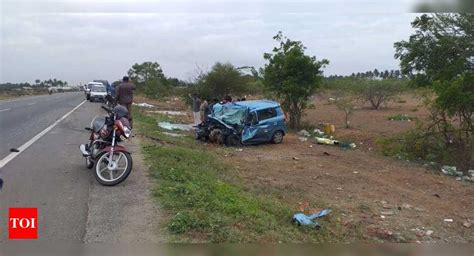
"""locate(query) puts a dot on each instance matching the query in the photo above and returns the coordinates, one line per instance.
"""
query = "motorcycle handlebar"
(106, 109)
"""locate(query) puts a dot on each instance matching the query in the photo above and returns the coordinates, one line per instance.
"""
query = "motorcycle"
(111, 161)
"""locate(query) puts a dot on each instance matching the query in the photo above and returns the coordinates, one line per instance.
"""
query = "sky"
(81, 40)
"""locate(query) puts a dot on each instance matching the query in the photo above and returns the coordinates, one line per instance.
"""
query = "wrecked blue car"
(244, 122)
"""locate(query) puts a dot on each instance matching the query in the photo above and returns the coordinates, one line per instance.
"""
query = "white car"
(97, 92)
(87, 88)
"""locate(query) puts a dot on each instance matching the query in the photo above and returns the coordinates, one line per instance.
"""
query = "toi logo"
(23, 223)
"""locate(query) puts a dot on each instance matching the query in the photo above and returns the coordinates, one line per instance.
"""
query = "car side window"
(265, 114)
(252, 118)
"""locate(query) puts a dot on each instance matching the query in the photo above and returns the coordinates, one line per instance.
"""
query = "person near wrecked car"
(124, 96)
(196, 108)
(204, 110)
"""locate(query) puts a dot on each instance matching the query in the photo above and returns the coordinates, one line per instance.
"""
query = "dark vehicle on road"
(112, 162)
(245, 122)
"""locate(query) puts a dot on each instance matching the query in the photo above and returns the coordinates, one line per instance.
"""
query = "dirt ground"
(366, 124)
(377, 197)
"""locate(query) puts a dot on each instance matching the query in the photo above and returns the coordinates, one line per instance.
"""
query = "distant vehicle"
(245, 122)
(87, 88)
(104, 82)
(97, 92)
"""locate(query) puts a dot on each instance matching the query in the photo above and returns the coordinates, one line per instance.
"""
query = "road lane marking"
(7, 109)
(32, 103)
(23, 147)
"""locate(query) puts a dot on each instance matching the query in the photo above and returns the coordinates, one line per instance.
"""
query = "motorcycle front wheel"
(115, 172)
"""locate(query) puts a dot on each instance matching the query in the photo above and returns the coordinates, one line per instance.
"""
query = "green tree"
(293, 76)
(379, 93)
(440, 54)
(376, 73)
(223, 79)
(145, 72)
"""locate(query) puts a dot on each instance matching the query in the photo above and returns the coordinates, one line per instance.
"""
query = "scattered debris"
(429, 232)
(329, 129)
(326, 153)
(296, 158)
(304, 133)
(173, 134)
(302, 139)
(339, 188)
(169, 112)
(170, 126)
(318, 132)
(388, 213)
(14, 150)
(310, 146)
(239, 149)
(437, 195)
(326, 141)
(380, 232)
(448, 220)
(406, 206)
(304, 220)
(355, 172)
(144, 105)
(467, 224)
(450, 171)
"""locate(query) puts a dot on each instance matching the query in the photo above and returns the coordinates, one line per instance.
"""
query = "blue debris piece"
(304, 220)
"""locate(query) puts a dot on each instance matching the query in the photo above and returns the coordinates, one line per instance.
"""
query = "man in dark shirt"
(124, 96)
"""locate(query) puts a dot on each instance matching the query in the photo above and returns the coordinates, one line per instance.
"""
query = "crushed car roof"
(257, 104)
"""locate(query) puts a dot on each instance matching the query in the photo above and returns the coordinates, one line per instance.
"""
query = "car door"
(267, 123)
(261, 126)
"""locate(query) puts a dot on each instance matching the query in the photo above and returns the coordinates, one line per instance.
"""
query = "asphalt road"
(50, 175)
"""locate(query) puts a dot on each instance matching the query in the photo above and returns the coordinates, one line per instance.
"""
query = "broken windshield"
(231, 114)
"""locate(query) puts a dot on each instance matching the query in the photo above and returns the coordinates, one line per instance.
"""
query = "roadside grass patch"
(205, 201)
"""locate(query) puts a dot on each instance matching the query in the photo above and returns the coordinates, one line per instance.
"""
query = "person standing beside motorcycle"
(124, 96)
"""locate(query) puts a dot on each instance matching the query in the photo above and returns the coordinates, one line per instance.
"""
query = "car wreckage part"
(216, 136)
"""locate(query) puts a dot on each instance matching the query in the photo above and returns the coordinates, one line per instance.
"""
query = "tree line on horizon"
(373, 74)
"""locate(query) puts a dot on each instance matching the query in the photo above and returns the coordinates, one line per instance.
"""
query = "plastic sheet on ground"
(173, 134)
(169, 112)
(171, 127)
(305, 220)
(143, 105)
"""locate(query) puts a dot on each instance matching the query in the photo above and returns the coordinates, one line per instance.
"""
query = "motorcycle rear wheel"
(108, 177)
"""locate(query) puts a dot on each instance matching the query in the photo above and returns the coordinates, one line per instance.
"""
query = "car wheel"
(277, 137)
(88, 97)
(233, 141)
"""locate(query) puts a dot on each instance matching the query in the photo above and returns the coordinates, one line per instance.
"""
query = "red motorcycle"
(111, 161)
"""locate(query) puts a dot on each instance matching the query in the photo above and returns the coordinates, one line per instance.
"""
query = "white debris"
(143, 105)
(173, 134)
(448, 220)
(169, 112)
(304, 133)
(170, 126)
